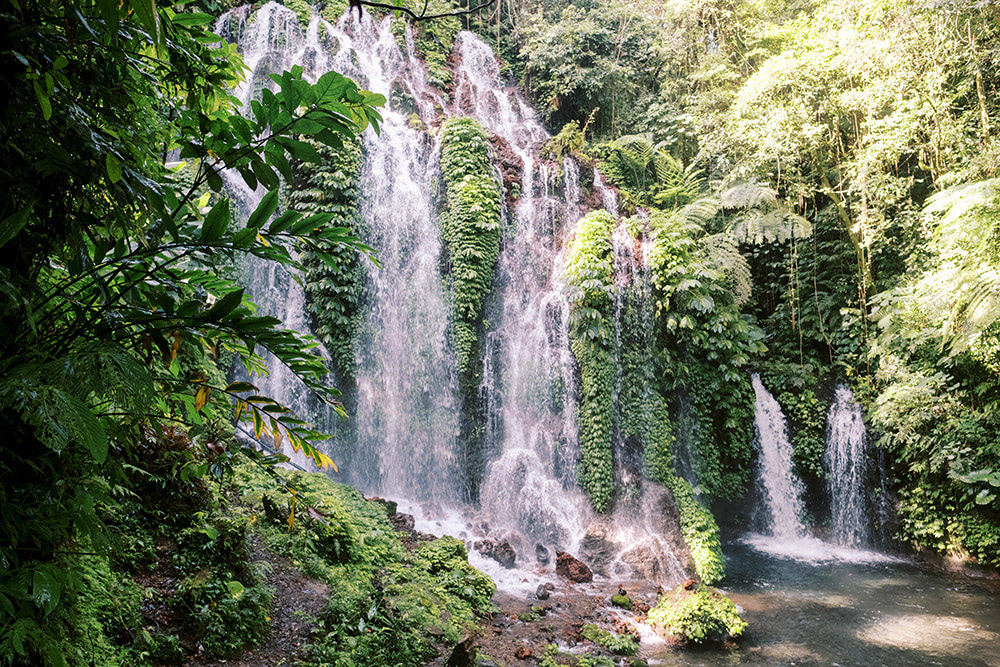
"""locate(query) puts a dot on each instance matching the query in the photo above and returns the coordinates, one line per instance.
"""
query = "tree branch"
(423, 15)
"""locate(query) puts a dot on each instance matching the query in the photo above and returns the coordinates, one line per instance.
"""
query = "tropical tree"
(115, 298)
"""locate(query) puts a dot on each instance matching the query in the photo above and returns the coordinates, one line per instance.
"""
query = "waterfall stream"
(782, 489)
(845, 459)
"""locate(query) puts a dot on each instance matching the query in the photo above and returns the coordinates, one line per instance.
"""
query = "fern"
(724, 254)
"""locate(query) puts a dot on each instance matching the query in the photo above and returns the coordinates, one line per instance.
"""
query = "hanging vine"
(334, 283)
(588, 275)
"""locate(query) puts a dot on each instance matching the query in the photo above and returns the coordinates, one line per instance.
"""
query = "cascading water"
(530, 381)
(406, 421)
(846, 461)
(405, 433)
(782, 489)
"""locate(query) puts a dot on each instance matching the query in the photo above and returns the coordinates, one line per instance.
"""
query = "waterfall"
(782, 489)
(529, 378)
(846, 461)
(404, 439)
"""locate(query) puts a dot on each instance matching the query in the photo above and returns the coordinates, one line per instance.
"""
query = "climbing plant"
(705, 346)
(588, 276)
(470, 227)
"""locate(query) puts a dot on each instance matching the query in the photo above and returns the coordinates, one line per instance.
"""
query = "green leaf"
(114, 167)
(192, 19)
(236, 589)
(264, 210)
(225, 305)
(43, 99)
(216, 222)
(149, 18)
(13, 224)
(283, 222)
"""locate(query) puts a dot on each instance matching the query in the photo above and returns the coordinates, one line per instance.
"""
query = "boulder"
(501, 552)
(504, 554)
(542, 554)
(463, 655)
(569, 567)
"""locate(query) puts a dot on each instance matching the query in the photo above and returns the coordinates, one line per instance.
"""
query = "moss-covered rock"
(335, 275)
(621, 600)
(696, 615)
(623, 644)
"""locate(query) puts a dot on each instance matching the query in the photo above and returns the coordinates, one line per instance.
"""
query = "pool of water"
(811, 604)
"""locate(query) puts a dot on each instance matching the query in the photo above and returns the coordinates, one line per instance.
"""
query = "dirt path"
(298, 601)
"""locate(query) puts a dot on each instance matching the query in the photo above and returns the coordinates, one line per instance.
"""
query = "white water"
(845, 460)
(782, 489)
(529, 383)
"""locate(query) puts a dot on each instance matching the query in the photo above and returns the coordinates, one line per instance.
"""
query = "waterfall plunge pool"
(823, 605)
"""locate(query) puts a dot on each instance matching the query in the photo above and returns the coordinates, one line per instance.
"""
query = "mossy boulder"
(696, 614)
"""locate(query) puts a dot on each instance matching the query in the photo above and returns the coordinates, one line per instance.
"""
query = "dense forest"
(806, 191)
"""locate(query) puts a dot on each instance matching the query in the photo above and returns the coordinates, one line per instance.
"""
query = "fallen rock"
(569, 567)
(402, 521)
(504, 554)
(522, 653)
(501, 552)
(463, 655)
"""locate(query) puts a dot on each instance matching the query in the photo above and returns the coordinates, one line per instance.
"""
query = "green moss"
(624, 644)
(470, 228)
(435, 40)
(697, 616)
(386, 606)
(588, 275)
(623, 601)
(334, 285)
(700, 531)
(705, 345)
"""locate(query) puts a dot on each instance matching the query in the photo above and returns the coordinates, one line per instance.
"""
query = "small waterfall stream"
(782, 489)
(846, 459)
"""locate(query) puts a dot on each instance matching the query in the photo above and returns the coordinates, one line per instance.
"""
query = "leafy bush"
(696, 616)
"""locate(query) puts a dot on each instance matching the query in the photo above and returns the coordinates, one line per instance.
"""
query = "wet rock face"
(643, 561)
(598, 547)
(569, 567)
